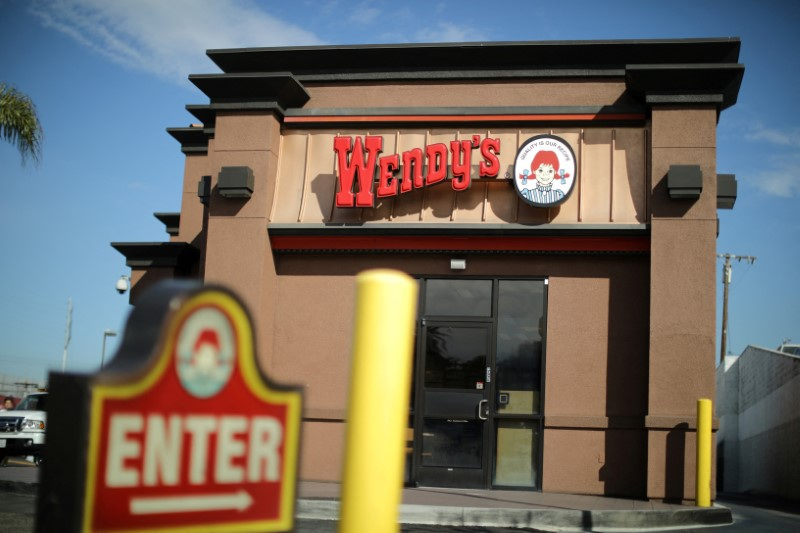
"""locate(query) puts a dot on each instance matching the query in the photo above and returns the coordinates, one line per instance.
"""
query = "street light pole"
(726, 280)
(67, 335)
(106, 333)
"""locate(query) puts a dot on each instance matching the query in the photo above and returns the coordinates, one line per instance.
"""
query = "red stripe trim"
(585, 117)
(466, 243)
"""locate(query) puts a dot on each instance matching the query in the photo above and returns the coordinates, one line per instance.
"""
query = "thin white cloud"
(167, 38)
(446, 32)
(778, 170)
(780, 177)
(775, 136)
(363, 14)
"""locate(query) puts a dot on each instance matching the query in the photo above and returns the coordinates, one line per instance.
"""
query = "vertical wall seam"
(305, 180)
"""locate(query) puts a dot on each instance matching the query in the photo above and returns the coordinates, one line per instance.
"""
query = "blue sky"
(109, 77)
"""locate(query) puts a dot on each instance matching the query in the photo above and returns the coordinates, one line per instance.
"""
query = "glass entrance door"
(454, 397)
(478, 405)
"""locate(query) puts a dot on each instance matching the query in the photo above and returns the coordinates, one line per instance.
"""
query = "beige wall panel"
(436, 203)
(479, 93)
(684, 128)
(320, 184)
(630, 176)
(291, 171)
(596, 180)
(242, 132)
(470, 203)
(502, 202)
(322, 451)
(406, 207)
(312, 337)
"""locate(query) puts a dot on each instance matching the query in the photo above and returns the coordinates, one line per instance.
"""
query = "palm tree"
(19, 124)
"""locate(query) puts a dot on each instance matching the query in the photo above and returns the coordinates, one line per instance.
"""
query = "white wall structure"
(758, 404)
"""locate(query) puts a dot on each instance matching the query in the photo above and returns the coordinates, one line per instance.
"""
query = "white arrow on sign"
(239, 501)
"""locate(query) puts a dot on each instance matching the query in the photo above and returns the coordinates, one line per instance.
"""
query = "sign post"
(180, 432)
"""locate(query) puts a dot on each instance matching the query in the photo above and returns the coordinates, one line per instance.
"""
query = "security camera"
(122, 284)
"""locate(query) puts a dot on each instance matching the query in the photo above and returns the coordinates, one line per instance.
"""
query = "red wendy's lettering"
(413, 169)
(356, 165)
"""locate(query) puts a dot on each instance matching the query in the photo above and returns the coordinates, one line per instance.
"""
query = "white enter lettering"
(151, 450)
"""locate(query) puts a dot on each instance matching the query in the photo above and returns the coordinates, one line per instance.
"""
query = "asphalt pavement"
(426, 510)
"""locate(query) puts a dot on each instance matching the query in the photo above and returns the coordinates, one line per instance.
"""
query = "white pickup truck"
(22, 429)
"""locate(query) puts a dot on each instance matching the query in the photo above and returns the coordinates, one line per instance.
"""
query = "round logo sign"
(544, 170)
(205, 352)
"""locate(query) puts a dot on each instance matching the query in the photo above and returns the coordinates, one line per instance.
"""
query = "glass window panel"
(458, 297)
(516, 453)
(520, 324)
(455, 356)
(452, 443)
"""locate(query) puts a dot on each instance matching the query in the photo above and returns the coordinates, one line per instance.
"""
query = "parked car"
(793, 349)
(22, 429)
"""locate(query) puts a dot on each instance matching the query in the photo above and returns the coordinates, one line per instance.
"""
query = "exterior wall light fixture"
(458, 264)
(685, 181)
(726, 191)
(235, 182)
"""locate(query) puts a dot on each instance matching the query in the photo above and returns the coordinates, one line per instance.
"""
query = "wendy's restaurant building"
(556, 202)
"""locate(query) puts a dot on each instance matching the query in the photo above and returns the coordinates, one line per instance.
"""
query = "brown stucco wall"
(682, 299)
(481, 93)
(596, 361)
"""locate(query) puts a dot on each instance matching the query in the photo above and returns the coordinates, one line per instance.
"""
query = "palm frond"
(19, 124)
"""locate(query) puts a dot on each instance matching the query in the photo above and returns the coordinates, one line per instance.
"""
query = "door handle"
(481, 404)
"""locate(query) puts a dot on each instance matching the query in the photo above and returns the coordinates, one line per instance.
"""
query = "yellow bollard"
(703, 470)
(377, 413)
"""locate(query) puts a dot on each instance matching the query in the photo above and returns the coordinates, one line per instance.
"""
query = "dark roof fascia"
(171, 221)
(686, 83)
(193, 140)
(488, 110)
(450, 74)
(624, 115)
(475, 56)
(252, 90)
(482, 230)
(205, 114)
(179, 255)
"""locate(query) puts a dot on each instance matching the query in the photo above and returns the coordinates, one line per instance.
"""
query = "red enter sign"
(199, 441)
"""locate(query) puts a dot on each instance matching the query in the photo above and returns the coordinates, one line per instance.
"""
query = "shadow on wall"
(675, 464)
(627, 374)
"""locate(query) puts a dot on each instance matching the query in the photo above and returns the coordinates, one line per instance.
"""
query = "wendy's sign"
(544, 170)
(358, 160)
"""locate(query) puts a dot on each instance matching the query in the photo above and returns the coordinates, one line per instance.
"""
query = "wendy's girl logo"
(544, 170)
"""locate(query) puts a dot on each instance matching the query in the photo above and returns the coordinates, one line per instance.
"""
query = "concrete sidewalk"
(504, 508)
(481, 508)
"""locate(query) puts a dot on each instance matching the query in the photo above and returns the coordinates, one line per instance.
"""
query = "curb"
(543, 519)
(19, 486)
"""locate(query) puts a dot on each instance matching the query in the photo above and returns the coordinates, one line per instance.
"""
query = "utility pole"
(67, 335)
(726, 280)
